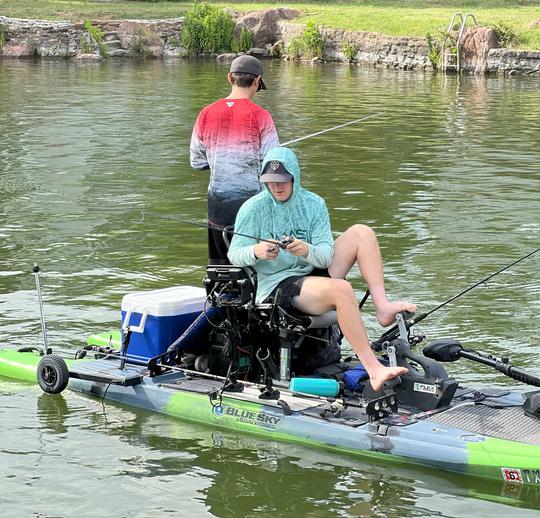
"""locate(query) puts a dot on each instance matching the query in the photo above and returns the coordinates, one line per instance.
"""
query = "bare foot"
(386, 314)
(383, 374)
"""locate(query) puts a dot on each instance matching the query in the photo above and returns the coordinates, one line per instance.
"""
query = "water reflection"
(241, 475)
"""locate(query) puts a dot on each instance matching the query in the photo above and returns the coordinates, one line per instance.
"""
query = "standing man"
(231, 137)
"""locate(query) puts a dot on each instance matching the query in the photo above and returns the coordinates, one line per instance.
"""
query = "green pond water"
(92, 155)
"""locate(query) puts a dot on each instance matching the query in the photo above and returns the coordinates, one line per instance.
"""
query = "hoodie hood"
(288, 158)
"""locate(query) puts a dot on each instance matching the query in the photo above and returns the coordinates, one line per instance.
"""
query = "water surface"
(92, 155)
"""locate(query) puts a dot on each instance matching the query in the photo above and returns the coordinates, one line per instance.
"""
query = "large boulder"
(18, 51)
(264, 24)
(474, 48)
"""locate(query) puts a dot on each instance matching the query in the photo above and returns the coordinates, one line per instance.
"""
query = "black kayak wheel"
(52, 374)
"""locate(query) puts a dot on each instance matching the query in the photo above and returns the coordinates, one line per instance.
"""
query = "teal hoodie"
(303, 216)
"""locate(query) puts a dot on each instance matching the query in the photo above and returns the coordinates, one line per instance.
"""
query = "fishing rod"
(293, 141)
(282, 243)
(393, 332)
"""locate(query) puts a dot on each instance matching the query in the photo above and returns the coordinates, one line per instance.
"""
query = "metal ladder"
(451, 54)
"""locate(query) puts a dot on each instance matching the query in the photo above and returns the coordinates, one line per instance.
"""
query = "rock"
(126, 33)
(258, 52)
(113, 45)
(87, 58)
(155, 51)
(475, 46)
(226, 58)
(264, 24)
(277, 49)
(18, 51)
(120, 53)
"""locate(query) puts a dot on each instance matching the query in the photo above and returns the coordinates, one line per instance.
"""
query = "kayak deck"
(503, 423)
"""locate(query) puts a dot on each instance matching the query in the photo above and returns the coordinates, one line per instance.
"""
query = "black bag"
(320, 348)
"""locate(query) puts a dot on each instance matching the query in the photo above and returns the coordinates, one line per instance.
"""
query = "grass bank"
(391, 17)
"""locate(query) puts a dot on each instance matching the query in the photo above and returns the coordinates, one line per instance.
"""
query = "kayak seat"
(302, 342)
(307, 321)
(313, 321)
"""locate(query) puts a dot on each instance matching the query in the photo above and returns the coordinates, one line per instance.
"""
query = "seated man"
(285, 208)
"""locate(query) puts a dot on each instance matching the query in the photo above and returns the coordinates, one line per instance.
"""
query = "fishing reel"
(285, 241)
(416, 337)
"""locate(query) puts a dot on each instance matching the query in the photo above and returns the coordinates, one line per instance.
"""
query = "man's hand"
(265, 250)
(298, 247)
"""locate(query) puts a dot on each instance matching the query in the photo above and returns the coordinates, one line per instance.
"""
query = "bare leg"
(359, 245)
(320, 294)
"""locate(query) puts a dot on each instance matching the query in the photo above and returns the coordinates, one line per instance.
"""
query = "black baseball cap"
(275, 171)
(248, 65)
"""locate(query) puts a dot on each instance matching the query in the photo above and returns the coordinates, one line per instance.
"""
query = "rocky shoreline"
(160, 39)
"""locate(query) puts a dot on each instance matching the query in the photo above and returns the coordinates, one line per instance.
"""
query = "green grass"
(391, 17)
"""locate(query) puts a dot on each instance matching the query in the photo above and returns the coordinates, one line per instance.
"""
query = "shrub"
(86, 47)
(313, 41)
(295, 48)
(143, 38)
(207, 29)
(434, 50)
(96, 35)
(32, 45)
(2, 37)
(278, 49)
(435, 46)
(309, 44)
(349, 49)
(245, 41)
(506, 36)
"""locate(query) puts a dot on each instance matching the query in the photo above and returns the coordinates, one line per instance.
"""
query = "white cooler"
(157, 318)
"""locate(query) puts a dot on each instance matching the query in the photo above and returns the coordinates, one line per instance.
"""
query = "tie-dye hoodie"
(304, 216)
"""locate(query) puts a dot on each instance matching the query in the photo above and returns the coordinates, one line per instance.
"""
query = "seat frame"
(231, 286)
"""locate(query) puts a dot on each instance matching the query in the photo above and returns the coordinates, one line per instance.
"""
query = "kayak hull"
(423, 439)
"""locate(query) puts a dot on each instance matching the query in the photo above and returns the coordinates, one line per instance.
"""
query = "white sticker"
(424, 387)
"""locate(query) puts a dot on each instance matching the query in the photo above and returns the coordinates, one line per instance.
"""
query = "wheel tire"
(52, 374)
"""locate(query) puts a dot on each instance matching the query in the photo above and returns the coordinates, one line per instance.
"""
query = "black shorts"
(291, 288)
(217, 248)
(221, 213)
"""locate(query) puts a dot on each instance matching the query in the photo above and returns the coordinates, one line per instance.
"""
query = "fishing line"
(483, 281)
(393, 332)
(102, 242)
(293, 141)
(212, 226)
